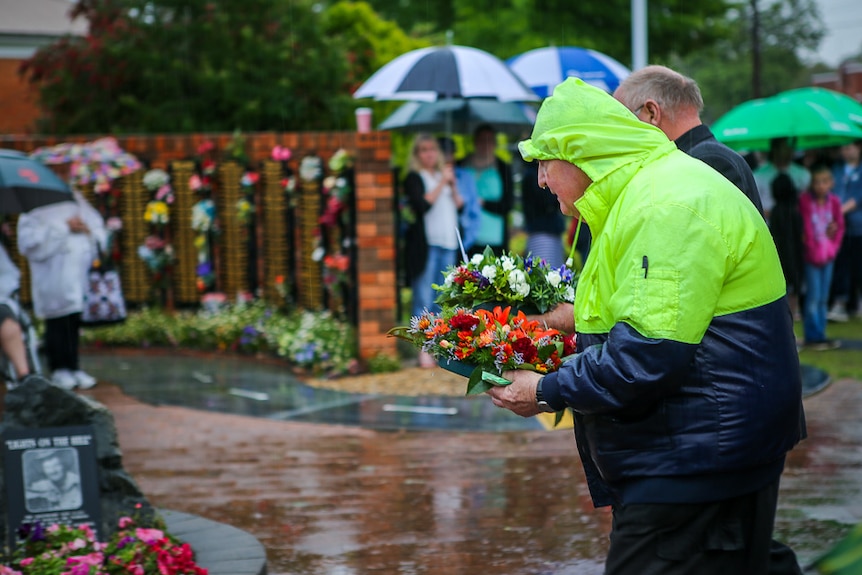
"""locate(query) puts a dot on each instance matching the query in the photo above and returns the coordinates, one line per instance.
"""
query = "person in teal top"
(685, 387)
(492, 178)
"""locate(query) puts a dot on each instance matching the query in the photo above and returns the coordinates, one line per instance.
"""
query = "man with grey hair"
(672, 102)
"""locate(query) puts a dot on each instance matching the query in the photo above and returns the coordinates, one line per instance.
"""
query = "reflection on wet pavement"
(350, 500)
(237, 385)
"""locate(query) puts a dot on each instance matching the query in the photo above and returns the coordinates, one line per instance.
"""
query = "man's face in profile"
(53, 469)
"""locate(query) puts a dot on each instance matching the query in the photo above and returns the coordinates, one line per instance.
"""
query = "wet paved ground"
(339, 499)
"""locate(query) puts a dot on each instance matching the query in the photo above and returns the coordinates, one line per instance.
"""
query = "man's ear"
(652, 112)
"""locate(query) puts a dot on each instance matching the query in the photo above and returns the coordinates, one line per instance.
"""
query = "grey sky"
(843, 20)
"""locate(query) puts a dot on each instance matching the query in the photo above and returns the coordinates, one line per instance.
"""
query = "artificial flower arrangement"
(485, 343)
(156, 251)
(282, 154)
(527, 283)
(245, 208)
(61, 549)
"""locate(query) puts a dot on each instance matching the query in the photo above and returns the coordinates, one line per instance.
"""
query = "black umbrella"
(439, 72)
(26, 183)
(462, 115)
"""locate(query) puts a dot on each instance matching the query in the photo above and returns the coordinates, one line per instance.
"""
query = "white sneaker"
(84, 379)
(64, 378)
(838, 313)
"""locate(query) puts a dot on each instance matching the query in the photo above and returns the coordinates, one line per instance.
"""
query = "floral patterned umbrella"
(98, 162)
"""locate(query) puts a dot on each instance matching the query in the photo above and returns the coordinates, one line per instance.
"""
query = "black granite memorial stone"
(33, 412)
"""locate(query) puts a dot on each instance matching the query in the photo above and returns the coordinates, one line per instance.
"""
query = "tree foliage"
(192, 65)
(508, 27)
(365, 40)
(788, 28)
(224, 65)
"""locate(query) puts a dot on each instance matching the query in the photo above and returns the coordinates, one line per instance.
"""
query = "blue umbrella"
(543, 68)
(26, 183)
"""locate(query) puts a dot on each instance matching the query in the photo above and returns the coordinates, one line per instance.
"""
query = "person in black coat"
(495, 188)
(672, 102)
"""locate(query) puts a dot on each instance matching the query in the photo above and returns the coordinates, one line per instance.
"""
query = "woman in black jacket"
(432, 237)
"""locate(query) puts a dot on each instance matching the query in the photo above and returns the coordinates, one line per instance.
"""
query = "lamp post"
(639, 34)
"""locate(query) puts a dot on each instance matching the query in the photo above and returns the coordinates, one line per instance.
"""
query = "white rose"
(554, 278)
(569, 296)
(516, 277)
(450, 277)
(489, 272)
(522, 289)
(476, 259)
(507, 263)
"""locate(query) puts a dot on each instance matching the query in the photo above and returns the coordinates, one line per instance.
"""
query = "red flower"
(526, 348)
(463, 321)
(155, 243)
(569, 342)
(206, 146)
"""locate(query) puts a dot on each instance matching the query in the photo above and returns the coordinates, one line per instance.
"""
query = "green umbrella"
(751, 125)
(841, 105)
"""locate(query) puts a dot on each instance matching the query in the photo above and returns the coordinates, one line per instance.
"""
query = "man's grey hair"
(669, 88)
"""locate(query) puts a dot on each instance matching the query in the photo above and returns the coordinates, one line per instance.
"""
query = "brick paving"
(346, 500)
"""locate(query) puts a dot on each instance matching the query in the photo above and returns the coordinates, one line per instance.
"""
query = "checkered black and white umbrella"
(442, 72)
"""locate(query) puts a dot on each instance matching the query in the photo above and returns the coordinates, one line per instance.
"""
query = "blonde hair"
(415, 164)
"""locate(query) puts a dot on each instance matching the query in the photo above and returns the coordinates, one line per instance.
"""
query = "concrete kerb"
(220, 548)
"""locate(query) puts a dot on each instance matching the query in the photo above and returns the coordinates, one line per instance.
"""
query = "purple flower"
(480, 279)
(32, 531)
(204, 269)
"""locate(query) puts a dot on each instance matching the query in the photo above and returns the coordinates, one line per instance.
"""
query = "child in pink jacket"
(823, 228)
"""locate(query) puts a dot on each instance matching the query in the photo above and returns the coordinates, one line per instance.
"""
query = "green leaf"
(845, 558)
(481, 381)
(558, 417)
(476, 385)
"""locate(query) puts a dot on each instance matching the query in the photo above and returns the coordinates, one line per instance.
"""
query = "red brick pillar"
(375, 243)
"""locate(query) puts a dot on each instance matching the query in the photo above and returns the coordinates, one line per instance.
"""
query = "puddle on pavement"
(421, 502)
(243, 387)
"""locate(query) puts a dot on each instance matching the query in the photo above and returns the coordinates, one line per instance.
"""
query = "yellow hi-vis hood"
(587, 127)
(675, 244)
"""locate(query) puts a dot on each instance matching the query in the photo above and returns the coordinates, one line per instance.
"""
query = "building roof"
(39, 18)
(26, 25)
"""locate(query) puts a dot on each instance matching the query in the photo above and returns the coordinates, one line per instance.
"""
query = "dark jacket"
(700, 143)
(686, 387)
(415, 242)
(541, 209)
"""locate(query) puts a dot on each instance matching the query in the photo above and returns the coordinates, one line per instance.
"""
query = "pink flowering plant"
(73, 550)
(527, 283)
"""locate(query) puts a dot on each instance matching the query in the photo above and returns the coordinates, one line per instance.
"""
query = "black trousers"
(725, 537)
(61, 341)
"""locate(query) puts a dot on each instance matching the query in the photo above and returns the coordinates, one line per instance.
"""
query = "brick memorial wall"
(279, 250)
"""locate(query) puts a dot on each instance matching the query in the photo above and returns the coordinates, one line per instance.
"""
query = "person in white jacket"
(58, 241)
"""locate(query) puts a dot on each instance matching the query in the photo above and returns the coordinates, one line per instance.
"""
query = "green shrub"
(314, 341)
